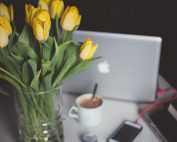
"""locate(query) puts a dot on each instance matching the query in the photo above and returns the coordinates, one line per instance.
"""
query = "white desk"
(114, 111)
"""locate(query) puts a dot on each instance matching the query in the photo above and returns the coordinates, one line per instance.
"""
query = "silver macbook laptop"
(128, 69)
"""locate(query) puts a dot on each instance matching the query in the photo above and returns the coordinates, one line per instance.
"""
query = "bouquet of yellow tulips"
(37, 60)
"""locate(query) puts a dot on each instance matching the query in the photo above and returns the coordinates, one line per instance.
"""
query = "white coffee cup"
(89, 112)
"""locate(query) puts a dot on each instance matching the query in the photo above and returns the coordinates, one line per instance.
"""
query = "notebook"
(128, 69)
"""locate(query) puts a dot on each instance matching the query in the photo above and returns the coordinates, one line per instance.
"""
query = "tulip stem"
(64, 36)
(40, 49)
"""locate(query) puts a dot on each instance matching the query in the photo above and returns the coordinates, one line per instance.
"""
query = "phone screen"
(126, 133)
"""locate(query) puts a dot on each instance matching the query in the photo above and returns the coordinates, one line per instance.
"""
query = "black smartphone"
(126, 132)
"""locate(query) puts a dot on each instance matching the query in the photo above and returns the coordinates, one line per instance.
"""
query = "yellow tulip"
(48, 2)
(41, 25)
(30, 11)
(7, 11)
(43, 4)
(56, 8)
(87, 49)
(5, 31)
(3, 38)
(4, 23)
(70, 18)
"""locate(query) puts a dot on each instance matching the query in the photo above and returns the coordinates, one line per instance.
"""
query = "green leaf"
(10, 64)
(17, 57)
(45, 67)
(81, 66)
(58, 30)
(46, 82)
(35, 82)
(32, 54)
(57, 58)
(71, 59)
(27, 37)
(25, 105)
(33, 65)
(67, 36)
(11, 41)
(46, 50)
(20, 49)
(50, 41)
(11, 79)
(26, 73)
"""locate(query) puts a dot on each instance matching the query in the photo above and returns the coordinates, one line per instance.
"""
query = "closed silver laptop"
(128, 69)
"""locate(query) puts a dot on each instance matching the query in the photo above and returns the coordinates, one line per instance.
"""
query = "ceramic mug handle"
(73, 112)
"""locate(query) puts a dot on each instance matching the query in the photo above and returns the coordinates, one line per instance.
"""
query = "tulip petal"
(92, 51)
(70, 18)
(38, 31)
(85, 51)
(6, 25)
(87, 42)
(4, 11)
(43, 4)
(60, 8)
(56, 8)
(41, 25)
(69, 23)
(3, 38)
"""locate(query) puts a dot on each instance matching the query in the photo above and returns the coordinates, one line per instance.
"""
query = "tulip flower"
(56, 8)
(48, 2)
(5, 31)
(30, 11)
(87, 49)
(4, 23)
(70, 18)
(3, 38)
(41, 25)
(43, 4)
(7, 11)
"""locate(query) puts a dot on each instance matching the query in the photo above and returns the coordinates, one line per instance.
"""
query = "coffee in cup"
(88, 102)
(88, 110)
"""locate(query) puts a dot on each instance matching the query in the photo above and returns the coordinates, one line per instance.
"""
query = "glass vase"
(40, 115)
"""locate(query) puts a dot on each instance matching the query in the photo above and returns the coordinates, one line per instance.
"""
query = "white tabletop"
(115, 112)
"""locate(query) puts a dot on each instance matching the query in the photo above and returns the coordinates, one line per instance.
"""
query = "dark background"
(145, 17)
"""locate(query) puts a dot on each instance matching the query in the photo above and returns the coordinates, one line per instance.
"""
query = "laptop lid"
(128, 69)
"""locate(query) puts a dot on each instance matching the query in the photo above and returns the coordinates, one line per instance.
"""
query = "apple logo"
(103, 67)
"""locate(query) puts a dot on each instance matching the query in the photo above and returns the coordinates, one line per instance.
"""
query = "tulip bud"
(43, 4)
(3, 38)
(41, 25)
(87, 49)
(70, 18)
(30, 11)
(4, 23)
(5, 31)
(56, 8)
(7, 11)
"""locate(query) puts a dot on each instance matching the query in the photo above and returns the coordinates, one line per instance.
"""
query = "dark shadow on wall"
(146, 17)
